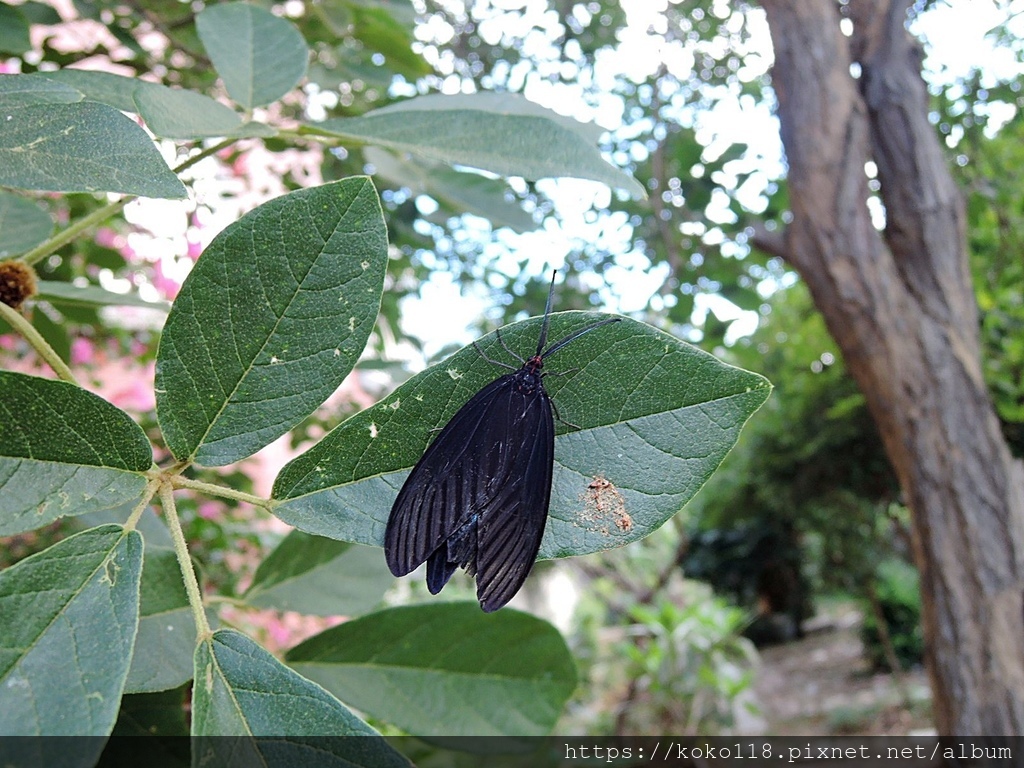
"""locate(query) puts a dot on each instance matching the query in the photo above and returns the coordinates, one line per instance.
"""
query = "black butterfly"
(478, 497)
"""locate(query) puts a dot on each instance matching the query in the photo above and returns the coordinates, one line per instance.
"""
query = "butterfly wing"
(511, 532)
(439, 494)
(478, 497)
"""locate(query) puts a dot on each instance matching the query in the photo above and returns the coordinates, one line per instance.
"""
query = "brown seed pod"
(17, 282)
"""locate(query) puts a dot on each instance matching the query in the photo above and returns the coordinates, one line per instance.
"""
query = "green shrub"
(900, 598)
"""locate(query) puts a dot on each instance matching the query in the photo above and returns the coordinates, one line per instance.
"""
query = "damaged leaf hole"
(603, 503)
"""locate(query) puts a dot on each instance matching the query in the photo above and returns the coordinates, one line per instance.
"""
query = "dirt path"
(821, 685)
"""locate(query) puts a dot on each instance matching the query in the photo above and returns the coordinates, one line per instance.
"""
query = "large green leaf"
(177, 113)
(68, 617)
(64, 451)
(259, 56)
(80, 147)
(501, 133)
(311, 574)
(271, 319)
(446, 669)
(656, 417)
(166, 640)
(23, 224)
(40, 13)
(181, 114)
(173, 113)
(243, 691)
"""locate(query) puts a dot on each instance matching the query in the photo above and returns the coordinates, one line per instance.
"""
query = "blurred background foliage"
(806, 505)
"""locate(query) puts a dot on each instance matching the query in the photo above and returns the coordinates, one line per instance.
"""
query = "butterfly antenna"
(547, 315)
(575, 335)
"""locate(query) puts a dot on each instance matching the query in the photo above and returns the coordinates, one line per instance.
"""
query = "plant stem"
(73, 230)
(17, 321)
(188, 573)
(147, 496)
(211, 150)
(219, 490)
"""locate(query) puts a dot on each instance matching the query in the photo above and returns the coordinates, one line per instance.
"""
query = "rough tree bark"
(899, 303)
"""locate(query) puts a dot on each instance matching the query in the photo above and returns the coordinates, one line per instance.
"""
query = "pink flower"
(240, 167)
(209, 510)
(167, 285)
(83, 351)
(107, 237)
(135, 393)
(280, 633)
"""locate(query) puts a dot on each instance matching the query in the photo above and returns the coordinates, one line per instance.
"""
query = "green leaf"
(259, 56)
(166, 639)
(181, 114)
(271, 319)
(40, 13)
(88, 9)
(58, 292)
(446, 669)
(467, 192)
(30, 90)
(241, 690)
(379, 29)
(115, 90)
(656, 418)
(500, 133)
(23, 224)
(80, 147)
(68, 617)
(311, 574)
(14, 37)
(64, 451)
(348, 68)
(496, 104)
(54, 333)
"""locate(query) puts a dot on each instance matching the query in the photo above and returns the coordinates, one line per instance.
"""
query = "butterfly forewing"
(437, 495)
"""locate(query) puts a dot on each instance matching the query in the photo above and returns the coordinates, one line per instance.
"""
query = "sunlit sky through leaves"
(958, 35)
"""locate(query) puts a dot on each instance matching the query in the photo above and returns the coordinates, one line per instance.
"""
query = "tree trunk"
(900, 304)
